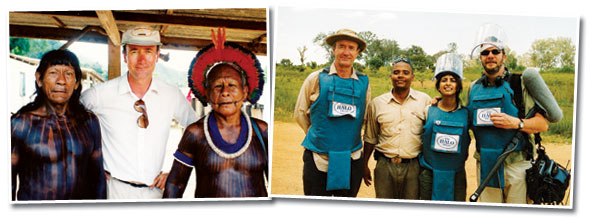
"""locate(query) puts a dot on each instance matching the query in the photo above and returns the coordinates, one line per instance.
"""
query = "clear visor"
(449, 62)
(489, 35)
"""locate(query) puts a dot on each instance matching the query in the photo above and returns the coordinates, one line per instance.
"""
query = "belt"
(396, 159)
(133, 184)
(139, 185)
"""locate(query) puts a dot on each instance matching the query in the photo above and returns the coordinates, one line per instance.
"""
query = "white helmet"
(489, 35)
(449, 62)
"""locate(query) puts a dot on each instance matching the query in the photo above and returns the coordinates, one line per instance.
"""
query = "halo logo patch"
(483, 115)
(341, 109)
(446, 142)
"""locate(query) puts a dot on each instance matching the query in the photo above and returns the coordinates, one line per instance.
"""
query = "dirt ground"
(287, 163)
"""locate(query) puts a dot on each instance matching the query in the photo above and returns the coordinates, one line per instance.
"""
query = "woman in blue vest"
(446, 137)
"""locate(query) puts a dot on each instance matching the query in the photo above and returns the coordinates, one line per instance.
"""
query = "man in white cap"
(331, 110)
(498, 103)
(135, 111)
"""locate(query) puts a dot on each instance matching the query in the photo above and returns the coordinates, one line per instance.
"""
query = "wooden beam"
(152, 19)
(114, 60)
(168, 42)
(165, 27)
(58, 22)
(80, 35)
(108, 23)
(21, 31)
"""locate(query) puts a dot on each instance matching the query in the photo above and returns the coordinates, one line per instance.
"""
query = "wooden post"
(114, 60)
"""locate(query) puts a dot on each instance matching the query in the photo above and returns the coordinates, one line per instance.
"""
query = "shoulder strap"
(255, 126)
(515, 82)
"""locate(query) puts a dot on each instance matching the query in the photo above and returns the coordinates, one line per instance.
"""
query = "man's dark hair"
(457, 79)
(59, 57)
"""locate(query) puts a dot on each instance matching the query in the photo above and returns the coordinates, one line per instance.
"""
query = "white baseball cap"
(141, 35)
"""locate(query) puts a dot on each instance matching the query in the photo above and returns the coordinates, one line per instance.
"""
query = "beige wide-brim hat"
(141, 35)
(346, 34)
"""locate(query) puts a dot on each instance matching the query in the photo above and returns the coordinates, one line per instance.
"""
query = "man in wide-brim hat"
(330, 109)
(227, 148)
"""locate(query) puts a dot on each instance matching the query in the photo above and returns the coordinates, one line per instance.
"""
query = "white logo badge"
(341, 109)
(446, 142)
(483, 115)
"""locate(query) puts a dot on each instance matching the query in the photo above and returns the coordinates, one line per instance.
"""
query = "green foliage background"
(290, 79)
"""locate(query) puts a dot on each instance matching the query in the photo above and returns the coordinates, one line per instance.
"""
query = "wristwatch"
(521, 124)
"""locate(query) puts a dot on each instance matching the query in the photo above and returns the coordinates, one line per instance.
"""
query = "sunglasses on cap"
(405, 60)
(486, 53)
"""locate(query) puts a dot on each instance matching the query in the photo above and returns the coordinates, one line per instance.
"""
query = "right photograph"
(424, 107)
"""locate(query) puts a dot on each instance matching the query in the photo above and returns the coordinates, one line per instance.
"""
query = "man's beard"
(492, 71)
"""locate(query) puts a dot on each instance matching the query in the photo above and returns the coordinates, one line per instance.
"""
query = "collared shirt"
(132, 153)
(309, 93)
(396, 128)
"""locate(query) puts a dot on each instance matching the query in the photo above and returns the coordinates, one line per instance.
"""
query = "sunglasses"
(486, 53)
(405, 60)
(142, 121)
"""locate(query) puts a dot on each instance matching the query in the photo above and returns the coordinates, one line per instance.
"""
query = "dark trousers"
(314, 181)
(426, 182)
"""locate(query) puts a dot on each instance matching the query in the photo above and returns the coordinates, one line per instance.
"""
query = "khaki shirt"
(396, 128)
(309, 93)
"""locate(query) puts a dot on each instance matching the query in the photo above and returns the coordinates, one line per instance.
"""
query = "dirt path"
(287, 162)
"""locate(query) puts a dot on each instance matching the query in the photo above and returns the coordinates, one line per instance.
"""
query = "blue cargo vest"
(336, 122)
(490, 140)
(445, 148)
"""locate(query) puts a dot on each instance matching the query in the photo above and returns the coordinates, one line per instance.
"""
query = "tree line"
(549, 55)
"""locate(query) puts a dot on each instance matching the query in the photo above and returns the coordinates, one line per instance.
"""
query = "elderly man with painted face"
(331, 110)
(227, 148)
(135, 112)
(497, 116)
(394, 129)
(56, 142)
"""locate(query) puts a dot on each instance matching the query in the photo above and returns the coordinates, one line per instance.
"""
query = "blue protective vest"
(490, 140)
(445, 148)
(334, 131)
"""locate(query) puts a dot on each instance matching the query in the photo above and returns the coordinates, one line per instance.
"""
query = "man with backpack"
(498, 104)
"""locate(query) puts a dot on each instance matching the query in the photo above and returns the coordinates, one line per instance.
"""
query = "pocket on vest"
(446, 136)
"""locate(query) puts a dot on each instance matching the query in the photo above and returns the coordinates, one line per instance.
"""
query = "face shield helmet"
(489, 35)
(449, 62)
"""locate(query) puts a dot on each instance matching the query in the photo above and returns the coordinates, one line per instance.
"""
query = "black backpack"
(547, 181)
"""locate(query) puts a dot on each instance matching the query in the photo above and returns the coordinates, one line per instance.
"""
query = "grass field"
(288, 83)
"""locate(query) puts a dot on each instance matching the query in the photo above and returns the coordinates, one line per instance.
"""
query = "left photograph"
(139, 105)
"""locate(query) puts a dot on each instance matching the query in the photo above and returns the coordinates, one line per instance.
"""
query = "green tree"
(552, 53)
(420, 60)
(320, 40)
(312, 64)
(451, 48)
(374, 63)
(285, 62)
(31, 47)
